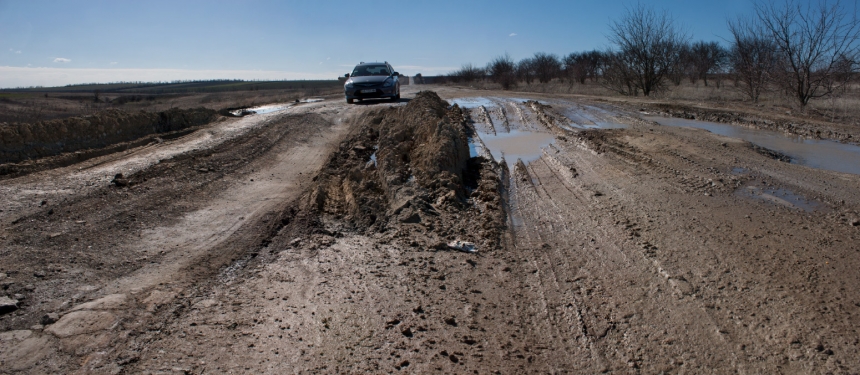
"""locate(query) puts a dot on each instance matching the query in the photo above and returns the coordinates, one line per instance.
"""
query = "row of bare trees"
(804, 50)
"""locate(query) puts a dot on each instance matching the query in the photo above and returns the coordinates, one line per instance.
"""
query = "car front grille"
(369, 84)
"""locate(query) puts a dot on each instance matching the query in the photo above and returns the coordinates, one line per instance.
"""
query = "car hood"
(368, 79)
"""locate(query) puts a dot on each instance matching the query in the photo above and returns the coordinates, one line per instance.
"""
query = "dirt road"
(320, 239)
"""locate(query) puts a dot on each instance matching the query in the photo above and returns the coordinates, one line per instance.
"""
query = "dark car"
(372, 80)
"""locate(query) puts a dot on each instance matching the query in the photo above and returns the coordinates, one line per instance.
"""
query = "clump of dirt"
(22, 141)
(407, 172)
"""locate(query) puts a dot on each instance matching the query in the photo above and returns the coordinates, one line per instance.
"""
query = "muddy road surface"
(452, 232)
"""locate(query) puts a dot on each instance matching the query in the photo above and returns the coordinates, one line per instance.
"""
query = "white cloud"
(328, 58)
(113, 63)
(62, 60)
(513, 34)
(14, 51)
(26, 76)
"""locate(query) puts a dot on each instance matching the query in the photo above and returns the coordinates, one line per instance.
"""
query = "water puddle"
(604, 125)
(269, 108)
(373, 156)
(821, 154)
(475, 148)
(781, 196)
(261, 109)
(472, 102)
(518, 144)
(475, 102)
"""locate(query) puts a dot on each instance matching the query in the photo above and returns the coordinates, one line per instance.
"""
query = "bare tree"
(502, 70)
(526, 70)
(579, 66)
(706, 58)
(752, 57)
(574, 69)
(547, 66)
(618, 74)
(681, 65)
(814, 42)
(648, 44)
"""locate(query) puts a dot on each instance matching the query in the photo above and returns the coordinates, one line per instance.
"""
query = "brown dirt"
(273, 243)
(24, 141)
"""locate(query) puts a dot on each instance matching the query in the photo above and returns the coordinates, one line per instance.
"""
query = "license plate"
(368, 91)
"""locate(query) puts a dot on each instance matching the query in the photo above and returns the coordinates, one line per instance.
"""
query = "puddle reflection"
(815, 153)
(518, 144)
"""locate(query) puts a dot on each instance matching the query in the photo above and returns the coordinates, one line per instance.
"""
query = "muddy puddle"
(600, 125)
(821, 154)
(261, 109)
(780, 196)
(517, 144)
(472, 102)
(269, 108)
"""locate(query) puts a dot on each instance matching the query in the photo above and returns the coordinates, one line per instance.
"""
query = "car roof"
(372, 63)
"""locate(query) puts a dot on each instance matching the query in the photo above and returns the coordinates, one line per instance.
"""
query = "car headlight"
(388, 83)
(349, 84)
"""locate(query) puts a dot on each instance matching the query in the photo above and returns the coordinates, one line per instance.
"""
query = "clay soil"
(322, 239)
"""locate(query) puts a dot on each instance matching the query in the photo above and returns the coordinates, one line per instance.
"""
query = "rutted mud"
(642, 249)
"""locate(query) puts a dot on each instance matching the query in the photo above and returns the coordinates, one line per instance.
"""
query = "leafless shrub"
(467, 73)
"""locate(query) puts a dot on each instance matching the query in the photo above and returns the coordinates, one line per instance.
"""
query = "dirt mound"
(408, 170)
(22, 141)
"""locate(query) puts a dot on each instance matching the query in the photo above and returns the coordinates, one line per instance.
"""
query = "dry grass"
(34, 107)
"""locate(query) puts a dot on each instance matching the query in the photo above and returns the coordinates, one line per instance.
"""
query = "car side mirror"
(396, 74)
(346, 75)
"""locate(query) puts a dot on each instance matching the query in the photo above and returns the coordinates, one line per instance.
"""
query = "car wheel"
(349, 100)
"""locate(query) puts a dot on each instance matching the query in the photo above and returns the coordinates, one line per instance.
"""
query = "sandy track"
(636, 250)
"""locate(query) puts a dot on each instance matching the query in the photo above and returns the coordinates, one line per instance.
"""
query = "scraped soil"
(329, 238)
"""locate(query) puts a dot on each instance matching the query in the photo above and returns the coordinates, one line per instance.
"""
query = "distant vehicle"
(372, 80)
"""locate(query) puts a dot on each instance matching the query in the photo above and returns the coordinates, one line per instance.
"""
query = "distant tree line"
(805, 50)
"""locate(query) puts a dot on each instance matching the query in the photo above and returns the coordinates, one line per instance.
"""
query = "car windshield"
(370, 70)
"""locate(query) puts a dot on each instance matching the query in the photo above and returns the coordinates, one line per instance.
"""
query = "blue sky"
(60, 42)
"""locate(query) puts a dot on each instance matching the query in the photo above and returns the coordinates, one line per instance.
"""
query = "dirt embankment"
(411, 165)
(23, 141)
(790, 125)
